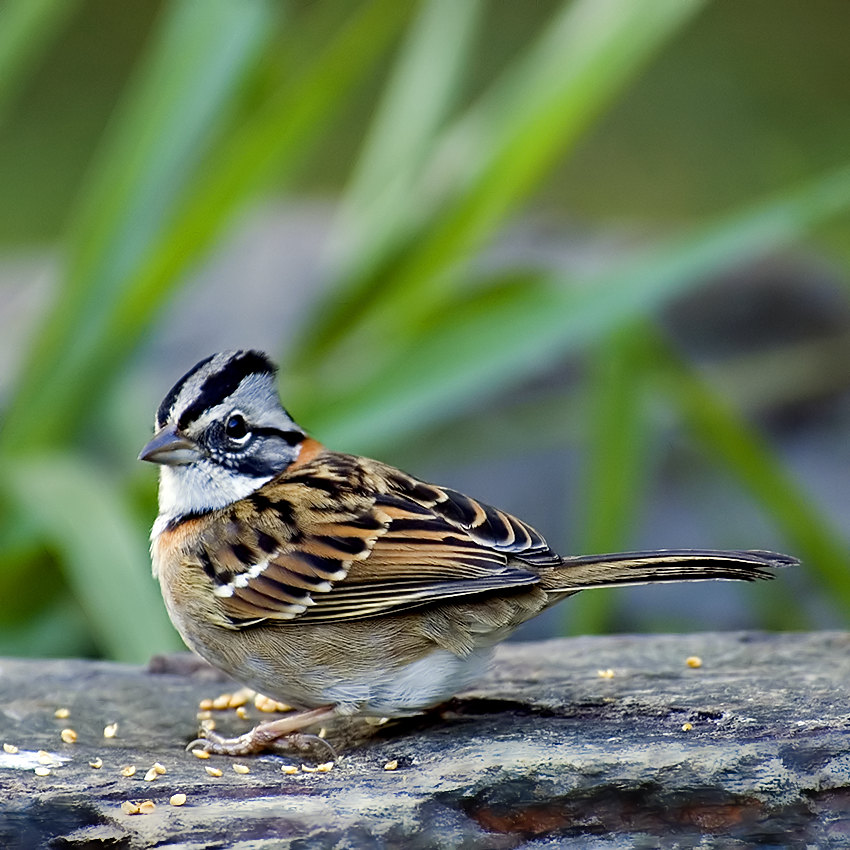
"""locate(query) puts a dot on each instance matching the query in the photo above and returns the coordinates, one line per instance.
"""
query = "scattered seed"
(205, 704)
(62, 713)
(97, 764)
(240, 698)
(130, 808)
(241, 768)
(267, 704)
(322, 733)
(42, 771)
(110, 730)
(199, 753)
(605, 674)
(289, 769)
(10, 748)
(159, 768)
(309, 769)
(686, 727)
(212, 771)
(391, 765)
(241, 712)
(129, 770)
(693, 661)
(69, 736)
(44, 757)
(177, 799)
(147, 807)
(208, 724)
(325, 767)
(222, 702)
(151, 775)
(204, 715)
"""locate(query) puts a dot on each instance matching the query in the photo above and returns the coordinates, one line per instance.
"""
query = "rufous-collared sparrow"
(339, 584)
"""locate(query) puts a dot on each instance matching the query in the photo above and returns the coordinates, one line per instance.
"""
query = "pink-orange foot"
(264, 735)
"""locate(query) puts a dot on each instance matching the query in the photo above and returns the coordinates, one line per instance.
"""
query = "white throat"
(199, 487)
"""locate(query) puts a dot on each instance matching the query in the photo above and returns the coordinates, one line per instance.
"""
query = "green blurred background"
(587, 261)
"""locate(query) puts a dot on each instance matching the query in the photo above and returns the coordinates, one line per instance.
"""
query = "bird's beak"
(171, 448)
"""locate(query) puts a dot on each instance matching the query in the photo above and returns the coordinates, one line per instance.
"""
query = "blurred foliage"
(474, 113)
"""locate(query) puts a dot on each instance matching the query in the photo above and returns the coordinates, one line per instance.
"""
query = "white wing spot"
(226, 590)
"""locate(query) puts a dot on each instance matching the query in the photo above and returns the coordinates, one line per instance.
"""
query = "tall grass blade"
(489, 341)
(27, 28)
(102, 550)
(731, 441)
(491, 158)
(415, 103)
(616, 461)
(174, 106)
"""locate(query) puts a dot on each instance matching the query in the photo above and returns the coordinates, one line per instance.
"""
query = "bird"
(339, 584)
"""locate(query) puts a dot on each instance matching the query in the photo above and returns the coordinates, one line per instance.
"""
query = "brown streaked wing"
(338, 542)
(485, 524)
(275, 551)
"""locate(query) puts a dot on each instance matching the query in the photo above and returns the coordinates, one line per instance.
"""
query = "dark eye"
(236, 428)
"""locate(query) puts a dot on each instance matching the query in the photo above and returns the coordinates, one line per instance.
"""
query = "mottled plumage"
(328, 580)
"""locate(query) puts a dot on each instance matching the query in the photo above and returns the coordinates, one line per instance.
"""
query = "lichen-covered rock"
(589, 742)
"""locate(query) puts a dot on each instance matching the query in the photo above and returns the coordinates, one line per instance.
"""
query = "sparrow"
(339, 584)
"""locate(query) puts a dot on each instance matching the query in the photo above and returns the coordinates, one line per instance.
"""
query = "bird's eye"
(236, 428)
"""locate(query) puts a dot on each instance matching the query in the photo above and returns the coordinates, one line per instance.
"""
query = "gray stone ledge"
(546, 753)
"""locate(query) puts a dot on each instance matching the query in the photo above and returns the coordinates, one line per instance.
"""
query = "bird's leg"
(264, 735)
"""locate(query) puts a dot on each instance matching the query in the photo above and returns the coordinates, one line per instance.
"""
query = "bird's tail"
(624, 568)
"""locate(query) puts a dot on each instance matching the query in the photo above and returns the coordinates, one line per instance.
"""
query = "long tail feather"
(663, 565)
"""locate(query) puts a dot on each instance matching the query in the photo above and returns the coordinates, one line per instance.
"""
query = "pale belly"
(361, 685)
(420, 685)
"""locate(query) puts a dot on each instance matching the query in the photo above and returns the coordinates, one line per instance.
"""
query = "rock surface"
(750, 749)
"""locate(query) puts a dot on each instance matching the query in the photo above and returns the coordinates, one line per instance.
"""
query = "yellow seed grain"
(263, 703)
(267, 704)
(289, 769)
(212, 771)
(205, 704)
(147, 807)
(208, 724)
(391, 765)
(69, 736)
(222, 702)
(177, 799)
(605, 674)
(240, 698)
(130, 808)
(159, 768)
(10, 748)
(61, 713)
(129, 770)
(97, 764)
(151, 775)
(42, 771)
(325, 767)
(44, 757)
(309, 769)
(204, 715)
(110, 731)
(241, 768)
(241, 712)
(200, 754)
(693, 661)
(686, 727)
(322, 733)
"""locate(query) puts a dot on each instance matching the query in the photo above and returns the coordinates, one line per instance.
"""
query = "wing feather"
(344, 538)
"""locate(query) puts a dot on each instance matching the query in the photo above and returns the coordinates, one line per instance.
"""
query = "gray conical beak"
(170, 447)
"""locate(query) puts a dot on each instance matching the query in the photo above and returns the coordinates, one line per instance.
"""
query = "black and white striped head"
(221, 433)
